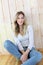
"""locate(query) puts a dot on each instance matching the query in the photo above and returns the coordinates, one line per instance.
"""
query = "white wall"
(33, 10)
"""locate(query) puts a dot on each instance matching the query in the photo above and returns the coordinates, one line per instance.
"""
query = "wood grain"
(11, 60)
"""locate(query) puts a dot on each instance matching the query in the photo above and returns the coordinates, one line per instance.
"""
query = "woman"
(23, 47)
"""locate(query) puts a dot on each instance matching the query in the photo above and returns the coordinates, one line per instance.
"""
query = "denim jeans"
(34, 55)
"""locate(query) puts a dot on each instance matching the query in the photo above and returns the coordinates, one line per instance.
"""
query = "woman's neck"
(20, 28)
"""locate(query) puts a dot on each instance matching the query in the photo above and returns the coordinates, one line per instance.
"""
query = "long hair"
(16, 26)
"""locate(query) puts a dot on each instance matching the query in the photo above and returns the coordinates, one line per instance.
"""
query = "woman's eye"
(18, 18)
(21, 18)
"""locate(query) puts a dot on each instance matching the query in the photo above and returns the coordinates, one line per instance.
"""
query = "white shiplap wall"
(33, 10)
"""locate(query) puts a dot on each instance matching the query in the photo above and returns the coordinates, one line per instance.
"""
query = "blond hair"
(16, 26)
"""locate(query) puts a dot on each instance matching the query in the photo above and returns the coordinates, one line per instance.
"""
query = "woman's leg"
(35, 57)
(12, 48)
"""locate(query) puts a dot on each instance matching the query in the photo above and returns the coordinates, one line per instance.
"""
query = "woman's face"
(20, 20)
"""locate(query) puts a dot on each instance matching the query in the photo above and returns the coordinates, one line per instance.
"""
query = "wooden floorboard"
(11, 60)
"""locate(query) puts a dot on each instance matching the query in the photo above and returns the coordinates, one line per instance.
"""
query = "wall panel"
(33, 10)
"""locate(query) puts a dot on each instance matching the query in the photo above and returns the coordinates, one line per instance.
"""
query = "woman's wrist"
(27, 51)
(22, 51)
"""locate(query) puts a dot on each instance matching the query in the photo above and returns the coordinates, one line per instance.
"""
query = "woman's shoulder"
(29, 27)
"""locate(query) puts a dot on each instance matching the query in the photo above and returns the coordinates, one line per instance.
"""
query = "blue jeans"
(34, 55)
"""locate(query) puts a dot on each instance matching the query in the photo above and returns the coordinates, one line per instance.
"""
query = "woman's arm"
(22, 51)
(31, 37)
(31, 44)
(18, 43)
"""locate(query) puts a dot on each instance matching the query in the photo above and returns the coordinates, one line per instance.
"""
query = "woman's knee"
(7, 43)
(38, 56)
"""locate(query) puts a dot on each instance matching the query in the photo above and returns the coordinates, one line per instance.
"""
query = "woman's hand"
(24, 57)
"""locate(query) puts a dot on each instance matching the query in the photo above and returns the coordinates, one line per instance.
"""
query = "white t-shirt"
(25, 41)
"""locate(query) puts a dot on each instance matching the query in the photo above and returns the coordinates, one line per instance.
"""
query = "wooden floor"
(11, 60)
